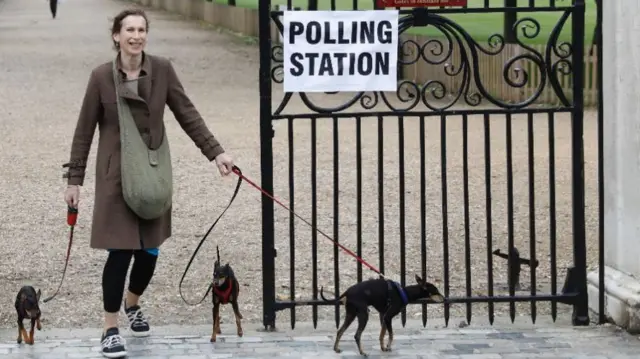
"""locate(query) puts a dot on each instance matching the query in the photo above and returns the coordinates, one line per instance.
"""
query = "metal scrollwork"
(458, 54)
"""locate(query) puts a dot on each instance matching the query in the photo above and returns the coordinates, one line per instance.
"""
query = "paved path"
(502, 341)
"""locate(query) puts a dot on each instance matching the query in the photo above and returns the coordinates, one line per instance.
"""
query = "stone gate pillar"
(621, 91)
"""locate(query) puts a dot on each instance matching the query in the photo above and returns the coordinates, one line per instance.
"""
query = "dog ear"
(218, 253)
(419, 280)
(38, 294)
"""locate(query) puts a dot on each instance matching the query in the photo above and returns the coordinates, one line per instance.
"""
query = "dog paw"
(364, 354)
(337, 350)
(240, 333)
(386, 349)
(213, 339)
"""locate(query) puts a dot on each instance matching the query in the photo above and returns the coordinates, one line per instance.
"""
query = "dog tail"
(218, 253)
(340, 299)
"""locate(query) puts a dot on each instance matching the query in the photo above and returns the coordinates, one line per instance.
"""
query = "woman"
(148, 83)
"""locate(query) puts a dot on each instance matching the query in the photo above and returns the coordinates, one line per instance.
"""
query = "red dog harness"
(223, 295)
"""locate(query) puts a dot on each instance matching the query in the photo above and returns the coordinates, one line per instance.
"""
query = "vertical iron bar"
(402, 209)
(581, 306)
(314, 219)
(266, 169)
(359, 194)
(552, 213)
(465, 185)
(336, 213)
(487, 177)
(512, 307)
(532, 214)
(381, 193)
(423, 211)
(601, 314)
(292, 235)
(445, 212)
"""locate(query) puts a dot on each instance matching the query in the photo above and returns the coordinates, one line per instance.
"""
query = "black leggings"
(115, 274)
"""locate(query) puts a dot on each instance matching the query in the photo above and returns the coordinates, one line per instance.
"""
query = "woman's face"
(133, 35)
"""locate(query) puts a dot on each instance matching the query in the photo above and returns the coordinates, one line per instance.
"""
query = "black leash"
(236, 170)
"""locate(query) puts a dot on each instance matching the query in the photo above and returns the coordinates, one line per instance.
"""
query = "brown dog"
(225, 288)
(27, 307)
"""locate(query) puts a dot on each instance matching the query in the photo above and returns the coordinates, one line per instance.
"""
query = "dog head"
(221, 272)
(429, 290)
(30, 301)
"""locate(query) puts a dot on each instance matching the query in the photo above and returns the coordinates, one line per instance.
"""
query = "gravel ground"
(45, 65)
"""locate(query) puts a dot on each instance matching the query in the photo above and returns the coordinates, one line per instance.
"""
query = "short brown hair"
(117, 21)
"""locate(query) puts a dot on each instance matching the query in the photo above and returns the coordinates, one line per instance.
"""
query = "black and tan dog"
(27, 307)
(225, 288)
(387, 297)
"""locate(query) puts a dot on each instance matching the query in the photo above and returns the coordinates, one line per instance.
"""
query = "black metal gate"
(462, 122)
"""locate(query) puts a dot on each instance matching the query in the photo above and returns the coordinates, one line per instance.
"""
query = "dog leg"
(38, 324)
(363, 318)
(387, 324)
(348, 319)
(20, 331)
(236, 311)
(383, 331)
(216, 321)
(31, 329)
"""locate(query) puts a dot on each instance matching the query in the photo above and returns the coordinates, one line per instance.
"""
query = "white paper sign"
(340, 50)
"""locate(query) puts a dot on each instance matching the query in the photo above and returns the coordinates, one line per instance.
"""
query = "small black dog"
(387, 297)
(225, 290)
(27, 307)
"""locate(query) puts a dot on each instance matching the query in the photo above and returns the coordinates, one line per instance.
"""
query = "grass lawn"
(480, 26)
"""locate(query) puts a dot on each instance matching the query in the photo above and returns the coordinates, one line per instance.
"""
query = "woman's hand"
(72, 195)
(224, 163)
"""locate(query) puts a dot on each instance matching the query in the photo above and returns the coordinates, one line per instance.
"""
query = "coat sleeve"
(189, 118)
(90, 112)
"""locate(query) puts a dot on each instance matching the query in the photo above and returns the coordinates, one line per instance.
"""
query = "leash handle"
(72, 217)
(233, 197)
(347, 250)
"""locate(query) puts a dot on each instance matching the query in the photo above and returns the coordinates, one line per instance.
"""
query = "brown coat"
(114, 225)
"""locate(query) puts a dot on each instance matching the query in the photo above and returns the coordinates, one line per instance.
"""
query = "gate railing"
(386, 173)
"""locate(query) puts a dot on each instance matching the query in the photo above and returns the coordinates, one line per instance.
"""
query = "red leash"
(237, 172)
(72, 217)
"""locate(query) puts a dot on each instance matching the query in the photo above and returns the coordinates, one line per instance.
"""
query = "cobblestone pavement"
(503, 340)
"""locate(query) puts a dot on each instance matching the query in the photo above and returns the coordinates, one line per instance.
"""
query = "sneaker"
(137, 322)
(113, 344)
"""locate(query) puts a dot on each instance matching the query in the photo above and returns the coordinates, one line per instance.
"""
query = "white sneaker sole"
(139, 334)
(115, 355)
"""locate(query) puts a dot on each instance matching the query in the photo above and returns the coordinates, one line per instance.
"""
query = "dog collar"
(402, 293)
(223, 295)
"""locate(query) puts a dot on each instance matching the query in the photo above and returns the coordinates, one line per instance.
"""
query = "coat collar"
(145, 80)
